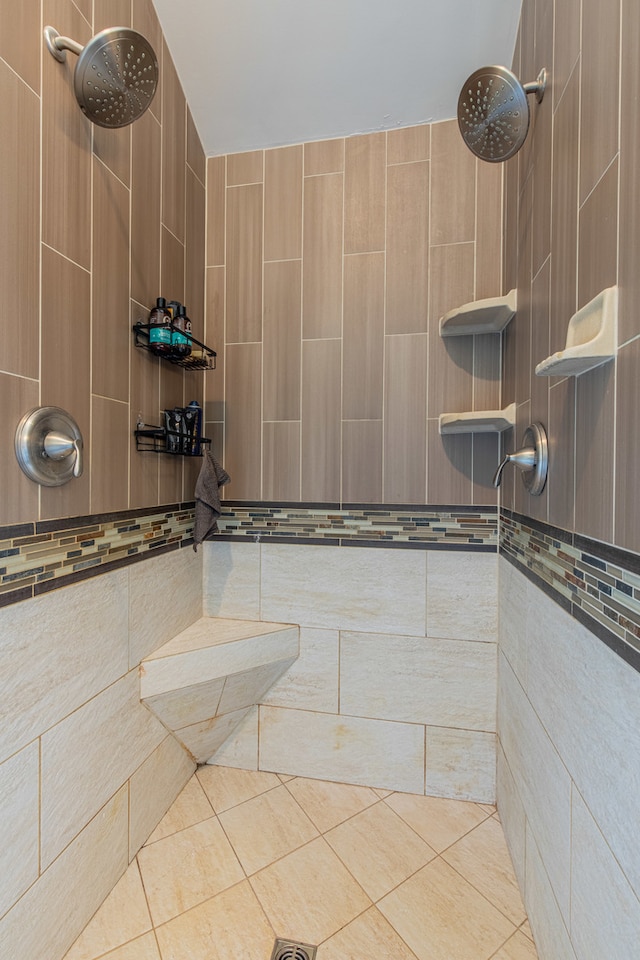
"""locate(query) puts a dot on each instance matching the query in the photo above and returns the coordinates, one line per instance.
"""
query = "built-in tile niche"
(329, 266)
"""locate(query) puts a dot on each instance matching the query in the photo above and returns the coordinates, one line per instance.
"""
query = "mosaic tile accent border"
(596, 583)
(409, 526)
(42, 556)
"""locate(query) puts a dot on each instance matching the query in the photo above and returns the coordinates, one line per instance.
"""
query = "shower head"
(493, 112)
(115, 77)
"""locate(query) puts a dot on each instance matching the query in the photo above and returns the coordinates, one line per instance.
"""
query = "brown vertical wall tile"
(453, 185)
(566, 46)
(107, 13)
(281, 460)
(363, 336)
(215, 432)
(321, 416)
(282, 340)
(66, 146)
(561, 436)
(520, 326)
(541, 157)
(629, 232)
(409, 144)
(362, 461)
(66, 370)
(110, 288)
(405, 419)
(195, 154)
(283, 203)
(243, 458)
(322, 263)
(451, 281)
(245, 168)
(144, 403)
(216, 210)
(564, 199)
(510, 226)
(489, 231)
(323, 156)
(145, 21)
(145, 210)
(172, 267)
(214, 338)
(84, 6)
(540, 323)
(364, 173)
(194, 253)
(487, 357)
(244, 264)
(173, 147)
(595, 412)
(449, 466)
(407, 237)
(598, 90)
(171, 386)
(109, 455)
(18, 494)
(450, 359)
(21, 40)
(113, 147)
(486, 457)
(20, 202)
(169, 479)
(627, 465)
(598, 238)
(66, 337)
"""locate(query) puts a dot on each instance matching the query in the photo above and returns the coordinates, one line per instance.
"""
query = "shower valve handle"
(532, 460)
(525, 459)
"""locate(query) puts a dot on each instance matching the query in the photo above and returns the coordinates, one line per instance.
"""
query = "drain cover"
(290, 950)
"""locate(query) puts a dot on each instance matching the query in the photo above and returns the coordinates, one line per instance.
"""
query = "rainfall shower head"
(115, 77)
(493, 112)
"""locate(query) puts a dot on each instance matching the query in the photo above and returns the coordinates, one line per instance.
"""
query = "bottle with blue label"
(180, 344)
(160, 329)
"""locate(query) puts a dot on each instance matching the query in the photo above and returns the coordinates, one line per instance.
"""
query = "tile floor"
(243, 857)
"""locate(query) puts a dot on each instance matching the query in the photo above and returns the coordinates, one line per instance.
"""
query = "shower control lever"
(532, 459)
(48, 446)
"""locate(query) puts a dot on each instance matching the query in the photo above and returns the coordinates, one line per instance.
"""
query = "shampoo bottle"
(160, 330)
(181, 345)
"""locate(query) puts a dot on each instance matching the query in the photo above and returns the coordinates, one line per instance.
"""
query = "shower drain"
(290, 950)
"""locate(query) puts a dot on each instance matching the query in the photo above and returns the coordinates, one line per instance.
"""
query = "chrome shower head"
(493, 112)
(116, 75)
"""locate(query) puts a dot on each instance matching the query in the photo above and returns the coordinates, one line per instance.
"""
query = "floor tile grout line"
(372, 904)
(490, 902)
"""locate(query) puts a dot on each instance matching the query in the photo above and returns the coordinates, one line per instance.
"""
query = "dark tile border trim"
(36, 558)
(600, 582)
(397, 526)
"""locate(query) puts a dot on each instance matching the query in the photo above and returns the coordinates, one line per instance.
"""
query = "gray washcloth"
(211, 477)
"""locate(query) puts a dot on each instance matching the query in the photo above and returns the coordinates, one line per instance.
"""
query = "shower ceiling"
(262, 73)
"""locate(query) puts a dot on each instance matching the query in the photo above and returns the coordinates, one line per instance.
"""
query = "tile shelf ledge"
(479, 316)
(478, 421)
(592, 338)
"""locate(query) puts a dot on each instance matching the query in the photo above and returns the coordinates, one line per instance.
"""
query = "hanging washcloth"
(212, 476)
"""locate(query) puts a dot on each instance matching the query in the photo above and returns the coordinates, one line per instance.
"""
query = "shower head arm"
(58, 45)
(537, 86)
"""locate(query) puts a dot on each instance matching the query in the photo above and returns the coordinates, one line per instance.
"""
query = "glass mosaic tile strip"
(596, 583)
(33, 562)
(39, 557)
(472, 528)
